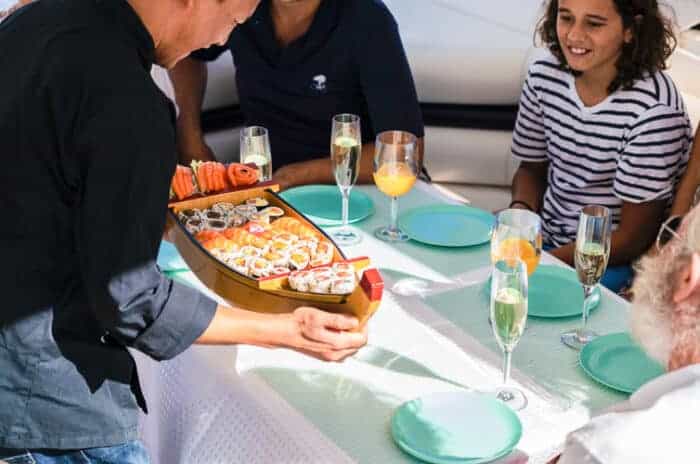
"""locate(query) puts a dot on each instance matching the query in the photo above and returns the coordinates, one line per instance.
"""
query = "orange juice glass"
(395, 171)
(517, 235)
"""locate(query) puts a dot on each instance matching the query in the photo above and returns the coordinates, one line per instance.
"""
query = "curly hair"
(652, 43)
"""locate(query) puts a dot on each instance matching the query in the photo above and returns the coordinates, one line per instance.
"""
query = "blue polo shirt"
(351, 60)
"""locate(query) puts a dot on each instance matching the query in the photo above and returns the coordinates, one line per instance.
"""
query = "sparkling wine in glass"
(255, 149)
(346, 150)
(509, 315)
(395, 171)
(591, 259)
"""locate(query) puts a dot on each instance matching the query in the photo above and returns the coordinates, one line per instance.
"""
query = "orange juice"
(513, 247)
(394, 179)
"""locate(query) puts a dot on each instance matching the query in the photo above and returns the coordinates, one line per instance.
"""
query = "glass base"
(345, 237)
(578, 338)
(388, 234)
(514, 398)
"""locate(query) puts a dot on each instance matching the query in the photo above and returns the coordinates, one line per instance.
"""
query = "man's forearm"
(189, 78)
(232, 326)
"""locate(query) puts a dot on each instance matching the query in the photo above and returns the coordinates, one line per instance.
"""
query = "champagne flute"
(591, 259)
(509, 314)
(255, 149)
(346, 149)
(517, 234)
(395, 171)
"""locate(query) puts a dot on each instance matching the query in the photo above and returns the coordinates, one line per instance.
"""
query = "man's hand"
(324, 335)
(287, 176)
(191, 146)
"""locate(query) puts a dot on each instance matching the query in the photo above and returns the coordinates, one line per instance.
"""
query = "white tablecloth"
(249, 405)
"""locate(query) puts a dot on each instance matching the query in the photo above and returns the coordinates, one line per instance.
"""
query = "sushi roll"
(250, 251)
(320, 260)
(216, 224)
(194, 225)
(278, 246)
(273, 211)
(223, 207)
(345, 275)
(322, 272)
(257, 202)
(277, 259)
(309, 245)
(214, 215)
(299, 280)
(340, 267)
(324, 250)
(259, 267)
(342, 286)
(236, 220)
(187, 214)
(320, 284)
(286, 237)
(259, 218)
(246, 210)
(239, 264)
(299, 260)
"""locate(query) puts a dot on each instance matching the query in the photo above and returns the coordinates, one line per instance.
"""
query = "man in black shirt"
(88, 143)
(298, 63)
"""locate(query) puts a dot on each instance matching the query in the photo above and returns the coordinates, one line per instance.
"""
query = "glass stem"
(394, 214)
(346, 206)
(506, 365)
(587, 290)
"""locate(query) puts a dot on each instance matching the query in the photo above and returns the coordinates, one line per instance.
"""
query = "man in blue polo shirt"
(298, 63)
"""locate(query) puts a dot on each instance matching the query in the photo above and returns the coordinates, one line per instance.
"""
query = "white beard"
(651, 310)
(652, 330)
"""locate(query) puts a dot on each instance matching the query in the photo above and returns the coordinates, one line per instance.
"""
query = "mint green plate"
(448, 225)
(616, 361)
(554, 291)
(322, 204)
(443, 427)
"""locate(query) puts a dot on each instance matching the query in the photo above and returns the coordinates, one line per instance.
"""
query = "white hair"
(654, 285)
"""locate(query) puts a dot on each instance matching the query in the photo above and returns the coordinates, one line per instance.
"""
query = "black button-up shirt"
(88, 150)
(351, 60)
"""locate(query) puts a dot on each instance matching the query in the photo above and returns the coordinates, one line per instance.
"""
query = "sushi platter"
(256, 251)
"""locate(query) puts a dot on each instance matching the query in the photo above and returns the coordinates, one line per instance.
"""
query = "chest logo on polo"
(318, 83)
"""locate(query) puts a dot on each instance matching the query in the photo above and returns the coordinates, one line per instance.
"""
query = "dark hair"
(652, 43)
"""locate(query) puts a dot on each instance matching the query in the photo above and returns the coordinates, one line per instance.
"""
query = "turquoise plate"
(443, 427)
(554, 291)
(448, 225)
(616, 361)
(169, 259)
(323, 204)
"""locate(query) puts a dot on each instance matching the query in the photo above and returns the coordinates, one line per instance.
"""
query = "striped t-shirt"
(633, 146)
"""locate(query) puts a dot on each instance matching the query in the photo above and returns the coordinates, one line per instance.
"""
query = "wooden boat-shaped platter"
(269, 294)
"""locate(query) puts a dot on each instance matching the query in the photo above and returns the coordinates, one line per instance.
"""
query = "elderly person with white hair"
(659, 423)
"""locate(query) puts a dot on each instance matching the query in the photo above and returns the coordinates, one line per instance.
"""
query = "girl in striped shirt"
(599, 122)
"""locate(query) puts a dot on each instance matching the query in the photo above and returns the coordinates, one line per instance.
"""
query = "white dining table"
(431, 334)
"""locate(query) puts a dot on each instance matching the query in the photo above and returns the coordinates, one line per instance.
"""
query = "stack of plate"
(444, 428)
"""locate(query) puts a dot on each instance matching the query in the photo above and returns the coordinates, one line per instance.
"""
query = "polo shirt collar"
(325, 21)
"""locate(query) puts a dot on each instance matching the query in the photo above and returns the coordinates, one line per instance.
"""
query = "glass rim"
(596, 211)
(390, 137)
(254, 131)
(532, 220)
(346, 118)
